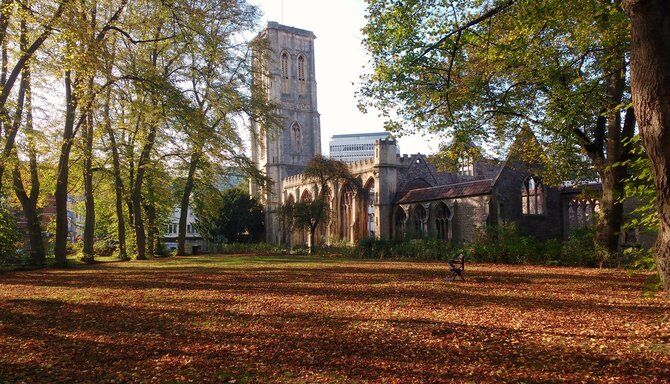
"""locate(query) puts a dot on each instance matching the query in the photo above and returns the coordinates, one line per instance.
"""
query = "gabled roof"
(471, 188)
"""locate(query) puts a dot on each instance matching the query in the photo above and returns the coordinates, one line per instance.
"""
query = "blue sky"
(340, 59)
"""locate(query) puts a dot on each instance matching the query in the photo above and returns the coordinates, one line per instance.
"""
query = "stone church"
(401, 196)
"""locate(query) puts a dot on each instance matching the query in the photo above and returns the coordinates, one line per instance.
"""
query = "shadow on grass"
(273, 318)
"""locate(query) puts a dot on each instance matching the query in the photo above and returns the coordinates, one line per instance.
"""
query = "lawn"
(242, 319)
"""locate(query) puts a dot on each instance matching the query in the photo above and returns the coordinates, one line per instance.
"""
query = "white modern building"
(195, 243)
(356, 146)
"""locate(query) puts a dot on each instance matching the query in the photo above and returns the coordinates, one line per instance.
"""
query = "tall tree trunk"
(29, 206)
(131, 182)
(142, 164)
(118, 181)
(650, 86)
(29, 200)
(610, 159)
(312, 239)
(88, 254)
(89, 200)
(150, 209)
(185, 200)
(60, 195)
(122, 252)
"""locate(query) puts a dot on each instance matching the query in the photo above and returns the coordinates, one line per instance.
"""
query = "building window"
(419, 220)
(284, 66)
(442, 221)
(466, 166)
(400, 219)
(296, 138)
(532, 196)
(301, 68)
(582, 213)
(189, 229)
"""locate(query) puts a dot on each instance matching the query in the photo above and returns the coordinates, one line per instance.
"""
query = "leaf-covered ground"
(234, 319)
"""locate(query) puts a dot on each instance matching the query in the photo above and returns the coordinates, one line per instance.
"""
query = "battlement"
(291, 30)
(292, 181)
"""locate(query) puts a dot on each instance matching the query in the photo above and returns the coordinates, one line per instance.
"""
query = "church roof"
(471, 188)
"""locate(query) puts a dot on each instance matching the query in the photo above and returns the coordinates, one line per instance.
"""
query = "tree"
(325, 173)
(480, 71)
(650, 84)
(240, 216)
(80, 70)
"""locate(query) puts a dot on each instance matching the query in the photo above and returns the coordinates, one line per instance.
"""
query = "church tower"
(287, 77)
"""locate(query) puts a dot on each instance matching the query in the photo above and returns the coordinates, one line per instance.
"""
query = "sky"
(340, 60)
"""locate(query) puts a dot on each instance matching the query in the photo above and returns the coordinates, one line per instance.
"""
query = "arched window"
(284, 65)
(419, 219)
(442, 221)
(296, 137)
(400, 219)
(466, 166)
(370, 207)
(301, 68)
(532, 196)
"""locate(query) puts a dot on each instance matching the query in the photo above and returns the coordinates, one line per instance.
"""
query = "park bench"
(457, 266)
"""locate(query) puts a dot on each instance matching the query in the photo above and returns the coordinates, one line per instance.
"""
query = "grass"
(246, 319)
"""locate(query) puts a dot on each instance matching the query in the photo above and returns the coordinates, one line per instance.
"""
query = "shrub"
(416, 249)
(504, 243)
(9, 235)
(579, 249)
(104, 248)
(249, 248)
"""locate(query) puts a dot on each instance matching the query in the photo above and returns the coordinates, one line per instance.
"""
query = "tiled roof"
(471, 188)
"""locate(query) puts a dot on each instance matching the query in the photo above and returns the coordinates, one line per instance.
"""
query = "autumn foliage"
(247, 319)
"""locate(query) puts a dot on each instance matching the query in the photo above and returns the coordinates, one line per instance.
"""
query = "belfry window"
(284, 65)
(296, 137)
(532, 196)
(466, 166)
(301, 68)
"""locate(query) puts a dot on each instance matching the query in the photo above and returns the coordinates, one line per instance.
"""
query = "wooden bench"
(457, 266)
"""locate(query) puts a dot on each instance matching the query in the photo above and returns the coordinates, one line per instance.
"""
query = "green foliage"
(239, 217)
(249, 249)
(415, 249)
(478, 71)
(640, 186)
(9, 234)
(505, 244)
(104, 248)
(579, 249)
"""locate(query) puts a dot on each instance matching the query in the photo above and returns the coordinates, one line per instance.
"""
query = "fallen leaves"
(304, 320)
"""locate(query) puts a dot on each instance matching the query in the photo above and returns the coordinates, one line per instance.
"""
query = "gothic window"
(284, 66)
(400, 219)
(419, 220)
(442, 221)
(466, 166)
(296, 137)
(301, 68)
(532, 196)
(582, 213)
(370, 202)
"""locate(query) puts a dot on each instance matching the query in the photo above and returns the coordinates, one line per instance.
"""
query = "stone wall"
(470, 216)
(507, 190)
